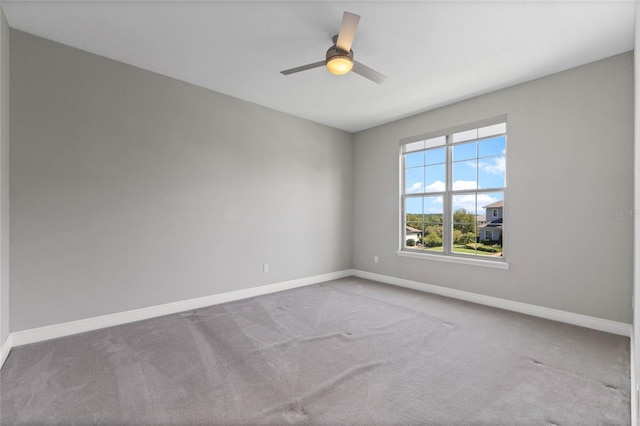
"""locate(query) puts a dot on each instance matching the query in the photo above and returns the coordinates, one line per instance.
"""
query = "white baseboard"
(65, 329)
(600, 324)
(5, 348)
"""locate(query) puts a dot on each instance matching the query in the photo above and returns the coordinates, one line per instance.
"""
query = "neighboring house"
(412, 234)
(491, 229)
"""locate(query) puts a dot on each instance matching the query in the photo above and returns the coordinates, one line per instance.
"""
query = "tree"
(432, 236)
(469, 237)
(464, 221)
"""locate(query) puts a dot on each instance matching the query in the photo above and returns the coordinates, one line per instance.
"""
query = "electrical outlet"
(265, 267)
(375, 259)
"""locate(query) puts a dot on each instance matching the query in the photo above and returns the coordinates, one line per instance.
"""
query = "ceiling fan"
(339, 58)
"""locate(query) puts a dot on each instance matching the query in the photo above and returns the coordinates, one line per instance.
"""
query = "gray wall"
(4, 178)
(130, 189)
(570, 159)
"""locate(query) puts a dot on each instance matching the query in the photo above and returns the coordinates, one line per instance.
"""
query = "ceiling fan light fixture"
(339, 57)
(339, 64)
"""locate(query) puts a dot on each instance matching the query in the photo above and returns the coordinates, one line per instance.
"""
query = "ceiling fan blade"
(367, 72)
(303, 68)
(347, 31)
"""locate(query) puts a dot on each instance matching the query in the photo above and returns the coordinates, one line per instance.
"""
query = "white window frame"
(448, 255)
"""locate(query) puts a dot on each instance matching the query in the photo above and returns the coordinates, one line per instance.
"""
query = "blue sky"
(476, 165)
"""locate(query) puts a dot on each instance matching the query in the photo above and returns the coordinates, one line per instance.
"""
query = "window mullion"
(447, 226)
(403, 197)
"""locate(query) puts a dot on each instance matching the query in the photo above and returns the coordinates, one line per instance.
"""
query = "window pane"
(491, 147)
(495, 129)
(490, 241)
(423, 223)
(491, 172)
(432, 240)
(464, 151)
(413, 206)
(414, 221)
(465, 136)
(414, 180)
(490, 229)
(435, 178)
(435, 156)
(465, 175)
(413, 146)
(464, 238)
(433, 209)
(415, 159)
(413, 234)
(465, 204)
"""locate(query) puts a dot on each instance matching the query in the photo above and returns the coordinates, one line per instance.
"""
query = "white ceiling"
(434, 53)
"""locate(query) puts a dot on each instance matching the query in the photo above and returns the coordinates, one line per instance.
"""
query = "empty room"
(319, 212)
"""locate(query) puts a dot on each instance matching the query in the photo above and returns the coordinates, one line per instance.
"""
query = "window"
(453, 186)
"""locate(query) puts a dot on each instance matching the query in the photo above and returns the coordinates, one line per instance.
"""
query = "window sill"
(498, 264)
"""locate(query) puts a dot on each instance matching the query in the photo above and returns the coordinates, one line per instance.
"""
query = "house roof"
(494, 205)
(411, 230)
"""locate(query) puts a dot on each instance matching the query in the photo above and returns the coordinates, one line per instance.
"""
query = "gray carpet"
(343, 352)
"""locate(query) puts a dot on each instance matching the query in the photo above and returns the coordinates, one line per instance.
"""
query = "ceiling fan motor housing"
(336, 51)
(339, 61)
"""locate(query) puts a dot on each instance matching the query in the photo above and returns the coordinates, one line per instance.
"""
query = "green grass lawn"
(460, 248)
(463, 249)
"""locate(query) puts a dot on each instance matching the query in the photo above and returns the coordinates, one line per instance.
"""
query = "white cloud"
(497, 166)
(437, 186)
(468, 202)
(416, 187)
(464, 184)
